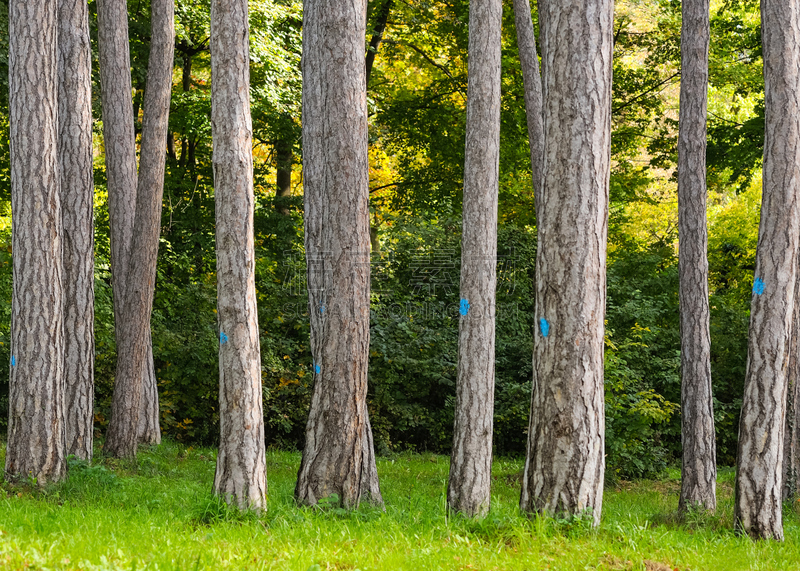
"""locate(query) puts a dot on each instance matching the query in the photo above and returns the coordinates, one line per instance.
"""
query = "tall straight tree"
(469, 486)
(791, 446)
(338, 457)
(241, 466)
(759, 474)
(36, 433)
(532, 80)
(120, 145)
(564, 467)
(699, 466)
(133, 338)
(77, 204)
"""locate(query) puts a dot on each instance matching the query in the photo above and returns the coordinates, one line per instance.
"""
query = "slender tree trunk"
(120, 146)
(759, 475)
(36, 432)
(134, 337)
(241, 476)
(283, 176)
(532, 79)
(77, 218)
(791, 448)
(699, 467)
(377, 36)
(469, 486)
(565, 464)
(335, 169)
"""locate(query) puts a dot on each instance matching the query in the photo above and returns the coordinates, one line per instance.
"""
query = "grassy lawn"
(160, 514)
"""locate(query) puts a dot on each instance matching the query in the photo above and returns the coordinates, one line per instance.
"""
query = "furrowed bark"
(335, 170)
(469, 485)
(699, 460)
(759, 475)
(36, 445)
(77, 218)
(565, 466)
(123, 429)
(791, 447)
(241, 466)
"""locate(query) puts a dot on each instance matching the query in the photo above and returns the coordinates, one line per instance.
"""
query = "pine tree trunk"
(699, 468)
(36, 430)
(791, 447)
(241, 476)
(565, 465)
(532, 79)
(759, 475)
(77, 218)
(134, 337)
(335, 170)
(469, 486)
(283, 175)
(120, 149)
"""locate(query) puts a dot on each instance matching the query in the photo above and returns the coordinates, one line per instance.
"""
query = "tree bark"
(469, 486)
(377, 37)
(241, 466)
(759, 475)
(77, 218)
(337, 458)
(120, 149)
(532, 79)
(564, 467)
(36, 432)
(699, 466)
(123, 429)
(791, 447)
(283, 175)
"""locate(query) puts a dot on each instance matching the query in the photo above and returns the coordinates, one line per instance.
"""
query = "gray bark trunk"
(120, 149)
(699, 466)
(337, 458)
(134, 337)
(283, 175)
(532, 79)
(759, 475)
(241, 466)
(77, 218)
(469, 486)
(791, 448)
(564, 467)
(36, 432)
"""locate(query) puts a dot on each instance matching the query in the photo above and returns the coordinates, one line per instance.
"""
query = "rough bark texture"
(469, 486)
(241, 476)
(36, 433)
(134, 337)
(120, 149)
(77, 218)
(699, 467)
(791, 447)
(337, 458)
(564, 467)
(759, 477)
(532, 79)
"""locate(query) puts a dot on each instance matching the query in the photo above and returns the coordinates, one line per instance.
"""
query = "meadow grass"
(159, 513)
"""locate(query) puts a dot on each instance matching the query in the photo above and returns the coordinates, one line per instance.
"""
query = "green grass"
(159, 513)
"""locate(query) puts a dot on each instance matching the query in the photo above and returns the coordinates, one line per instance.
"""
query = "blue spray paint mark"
(222, 338)
(13, 360)
(544, 327)
(758, 286)
(464, 308)
(322, 309)
(316, 368)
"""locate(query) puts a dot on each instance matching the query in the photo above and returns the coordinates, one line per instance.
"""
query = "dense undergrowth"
(158, 513)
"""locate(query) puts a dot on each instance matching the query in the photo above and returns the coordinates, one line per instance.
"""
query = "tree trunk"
(338, 436)
(699, 467)
(77, 218)
(241, 476)
(36, 433)
(791, 448)
(469, 486)
(565, 465)
(283, 176)
(120, 146)
(377, 36)
(134, 337)
(532, 79)
(759, 477)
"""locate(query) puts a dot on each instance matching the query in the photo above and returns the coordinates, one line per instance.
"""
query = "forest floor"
(158, 513)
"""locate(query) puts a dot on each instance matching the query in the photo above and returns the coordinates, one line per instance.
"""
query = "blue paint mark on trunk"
(544, 327)
(317, 368)
(758, 286)
(13, 361)
(222, 338)
(464, 308)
